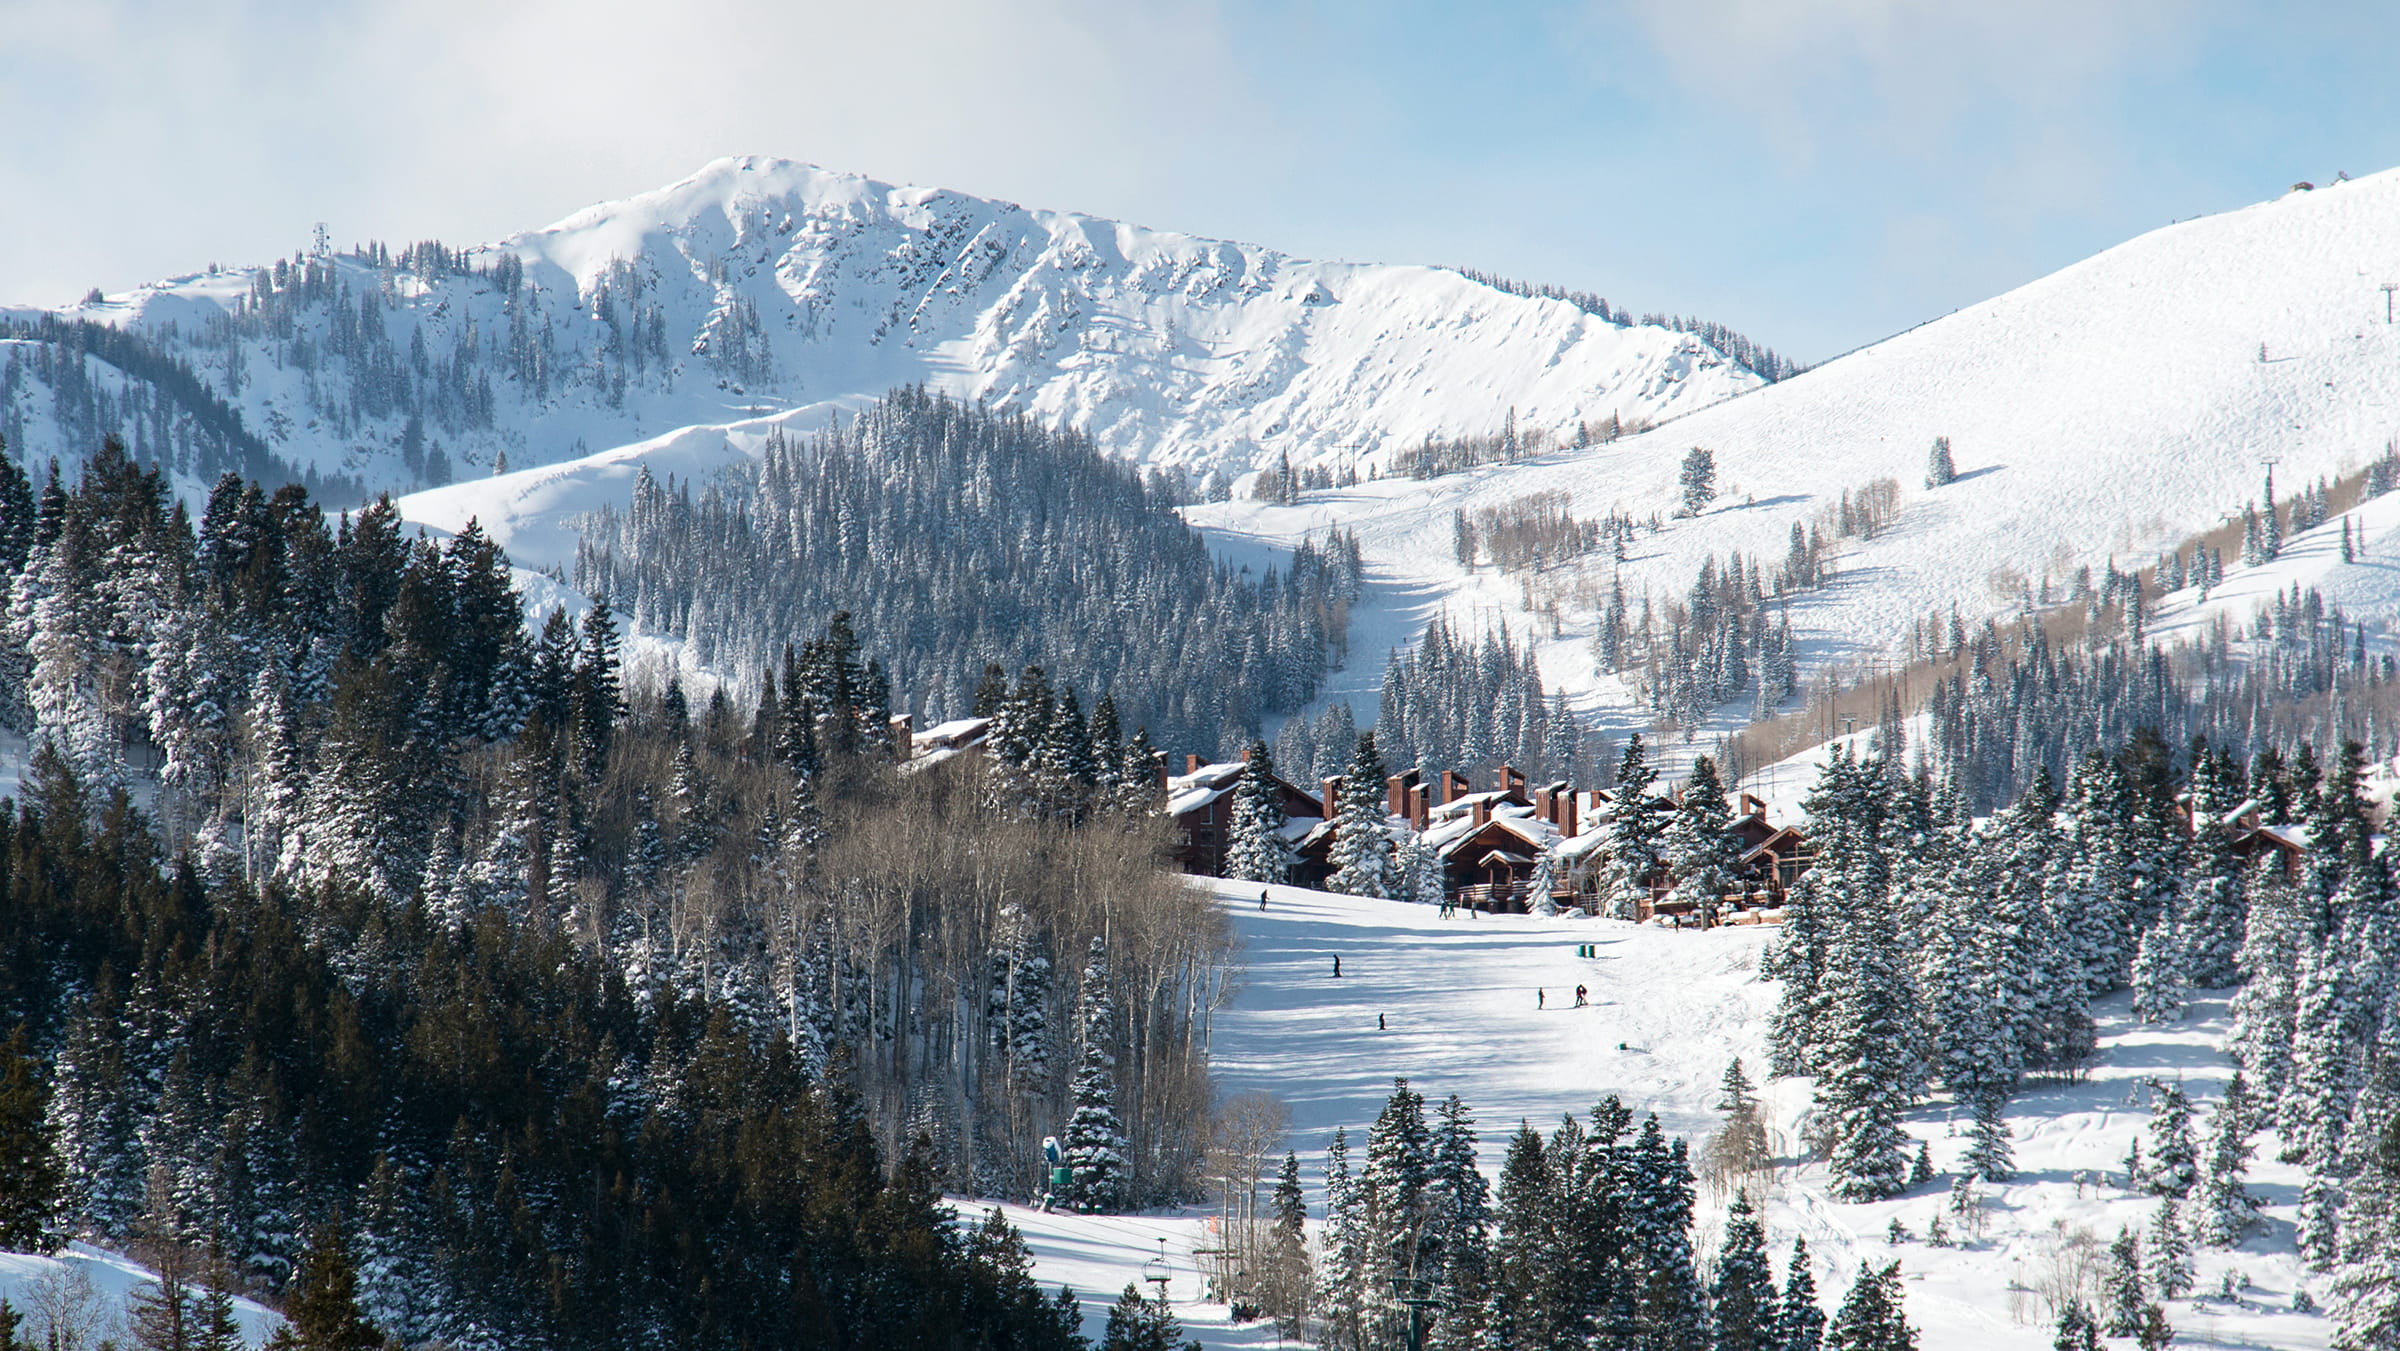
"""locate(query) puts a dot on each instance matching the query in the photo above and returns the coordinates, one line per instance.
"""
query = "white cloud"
(174, 134)
(1819, 80)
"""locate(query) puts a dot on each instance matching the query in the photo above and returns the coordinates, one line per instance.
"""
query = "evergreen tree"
(322, 1313)
(1288, 1285)
(1867, 1079)
(2174, 1165)
(1703, 854)
(1990, 1156)
(1871, 1317)
(2077, 1329)
(1095, 1135)
(2124, 1288)
(2366, 1277)
(1697, 481)
(1453, 1249)
(2169, 1252)
(1364, 858)
(2227, 1208)
(1139, 1323)
(1397, 1203)
(1342, 1268)
(30, 1178)
(1634, 833)
(1743, 1295)
(2216, 906)
(1940, 470)
(1255, 850)
(1800, 1322)
(2160, 981)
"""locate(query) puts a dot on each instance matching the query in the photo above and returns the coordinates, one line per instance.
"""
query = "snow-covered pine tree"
(1800, 1323)
(1849, 883)
(1990, 1156)
(1365, 860)
(1289, 1274)
(2215, 900)
(1869, 1074)
(2098, 917)
(1742, 1296)
(2226, 1207)
(1342, 1296)
(1255, 850)
(1397, 1203)
(2275, 935)
(1697, 481)
(1940, 469)
(1423, 880)
(1704, 856)
(2366, 1275)
(1671, 1302)
(2124, 1289)
(1453, 1250)
(2078, 1330)
(1095, 1136)
(2173, 1166)
(1872, 1317)
(2161, 988)
(2169, 1252)
(1631, 853)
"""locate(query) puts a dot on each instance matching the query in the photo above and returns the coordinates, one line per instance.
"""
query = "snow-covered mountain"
(2109, 410)
(759, 285)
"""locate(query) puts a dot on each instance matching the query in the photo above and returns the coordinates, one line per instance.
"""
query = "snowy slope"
(2111, 409)
(761, 284)
(1669, 1009)
(80, 1294)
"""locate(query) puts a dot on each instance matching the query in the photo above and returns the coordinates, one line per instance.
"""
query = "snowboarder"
(1337, 968)
(1541, 998)
(1380, 1025)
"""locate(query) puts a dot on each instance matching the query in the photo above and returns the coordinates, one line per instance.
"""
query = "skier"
(1541, 998)
(1580, 1000)
(1262, 898)
(1337, 968)
(1380, 1025)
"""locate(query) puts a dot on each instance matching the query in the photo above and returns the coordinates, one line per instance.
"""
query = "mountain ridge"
(758, 285)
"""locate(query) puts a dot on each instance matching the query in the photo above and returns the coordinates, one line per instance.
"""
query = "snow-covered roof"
(1446, 836)
(956, 732)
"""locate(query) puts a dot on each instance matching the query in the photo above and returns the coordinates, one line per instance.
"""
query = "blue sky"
(1818, 173)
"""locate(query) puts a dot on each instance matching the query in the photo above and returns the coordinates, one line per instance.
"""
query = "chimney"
(1567, 815)
(1420, 805)
(1333, 797)
(1454, 786)
(1545, 804)
(904, 736)
(1483, 811)
(1752, 805)
(1191, 764)
(1158, 771)
(1512, 780)
(1395, 795)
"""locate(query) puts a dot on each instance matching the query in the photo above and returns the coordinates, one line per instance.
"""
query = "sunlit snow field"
(1668, 1009)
